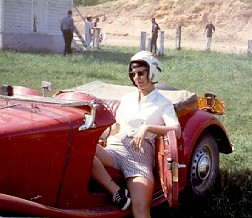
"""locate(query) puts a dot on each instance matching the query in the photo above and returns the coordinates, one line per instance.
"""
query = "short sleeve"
(169, 115)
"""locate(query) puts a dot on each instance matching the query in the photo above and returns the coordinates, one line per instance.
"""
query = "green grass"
(229, 76)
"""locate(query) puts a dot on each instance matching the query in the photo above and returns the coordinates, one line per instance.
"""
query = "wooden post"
(143, 41)
(249, 47)
(161, 43)
(178, 38)
(96, 38)
(148, 43)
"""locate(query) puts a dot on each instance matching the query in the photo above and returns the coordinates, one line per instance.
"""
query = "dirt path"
(194, 44)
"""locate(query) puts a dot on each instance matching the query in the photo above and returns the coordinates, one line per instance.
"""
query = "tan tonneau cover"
(180, 98)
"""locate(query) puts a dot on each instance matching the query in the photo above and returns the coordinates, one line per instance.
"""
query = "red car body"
(47, 145)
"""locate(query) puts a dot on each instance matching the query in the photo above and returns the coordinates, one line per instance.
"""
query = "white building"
(32, 25)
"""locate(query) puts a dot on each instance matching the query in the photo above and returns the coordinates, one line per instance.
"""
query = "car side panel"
(33, 150)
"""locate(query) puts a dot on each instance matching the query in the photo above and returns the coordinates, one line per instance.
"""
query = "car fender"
(194, 126)
(198, 123)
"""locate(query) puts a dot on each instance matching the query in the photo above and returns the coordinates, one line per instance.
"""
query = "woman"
(142, 115)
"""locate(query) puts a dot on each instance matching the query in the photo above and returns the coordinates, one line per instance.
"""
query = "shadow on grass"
(231, 197)
(109, 56)
(119, 56)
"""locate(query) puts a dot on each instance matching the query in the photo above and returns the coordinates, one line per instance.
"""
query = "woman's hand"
(139, 137)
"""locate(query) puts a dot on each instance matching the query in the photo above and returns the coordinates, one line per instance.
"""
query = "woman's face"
(140, 76)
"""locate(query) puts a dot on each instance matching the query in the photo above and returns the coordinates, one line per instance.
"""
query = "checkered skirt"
(131, 161)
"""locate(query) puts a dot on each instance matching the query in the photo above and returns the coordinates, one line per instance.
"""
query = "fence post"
(143, 41)
(178, 38)
(96, 38)
(249, 47)
(161, 43)
(148, 43)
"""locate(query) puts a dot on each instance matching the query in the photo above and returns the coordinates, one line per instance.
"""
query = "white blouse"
(153, 109)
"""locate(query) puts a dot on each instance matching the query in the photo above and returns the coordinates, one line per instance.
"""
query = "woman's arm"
(161, 130)
(112, 130)
(158, 130)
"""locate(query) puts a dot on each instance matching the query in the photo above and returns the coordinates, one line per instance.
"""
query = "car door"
(167, 158)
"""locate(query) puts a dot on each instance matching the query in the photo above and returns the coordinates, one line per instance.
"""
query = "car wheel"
(204, 165)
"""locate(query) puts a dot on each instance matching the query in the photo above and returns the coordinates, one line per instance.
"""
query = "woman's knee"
(104, 156)
(141, 192)
(139, 208)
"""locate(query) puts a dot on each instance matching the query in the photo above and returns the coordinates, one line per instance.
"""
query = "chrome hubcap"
(201, 167)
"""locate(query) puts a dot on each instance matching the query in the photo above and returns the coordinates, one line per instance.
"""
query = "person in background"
(88, 31)
(209, 30)
(67, 27)
(96, 22)
(154, 35)
(142, 115)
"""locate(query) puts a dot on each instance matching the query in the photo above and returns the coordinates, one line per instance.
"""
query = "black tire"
(204, 166)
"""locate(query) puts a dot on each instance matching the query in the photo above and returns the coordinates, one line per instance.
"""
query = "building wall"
(1, 22)
(17, 16)
(32, 25)
(1, 15)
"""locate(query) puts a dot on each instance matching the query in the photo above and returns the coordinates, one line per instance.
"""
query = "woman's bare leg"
(102, 158)
(141, 192)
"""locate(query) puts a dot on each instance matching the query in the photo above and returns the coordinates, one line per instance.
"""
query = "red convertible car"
(47, 145)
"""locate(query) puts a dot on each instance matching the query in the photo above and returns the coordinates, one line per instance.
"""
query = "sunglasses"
(138, 73)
